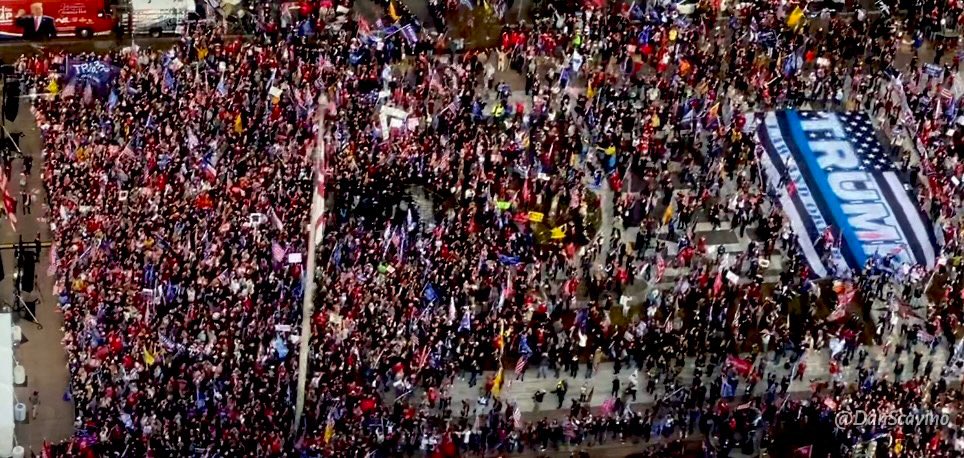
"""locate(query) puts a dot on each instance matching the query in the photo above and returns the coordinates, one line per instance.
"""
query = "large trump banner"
(841, 192)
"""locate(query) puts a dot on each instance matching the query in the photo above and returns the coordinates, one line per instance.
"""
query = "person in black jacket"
(36, 26)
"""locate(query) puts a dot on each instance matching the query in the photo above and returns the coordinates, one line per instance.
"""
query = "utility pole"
(316, 230)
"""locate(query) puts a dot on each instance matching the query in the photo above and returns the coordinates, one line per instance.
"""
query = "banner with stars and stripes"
(846, 201)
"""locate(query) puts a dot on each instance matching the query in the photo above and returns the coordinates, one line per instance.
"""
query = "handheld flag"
(393, 11)
(497, 383)
(558, 232)
(668, 214)
(795, 17)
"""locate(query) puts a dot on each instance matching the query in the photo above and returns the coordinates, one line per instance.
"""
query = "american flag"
(660, 267)
(9, 204)
(207, 168)
(54, 261)
(273, 216)
(277, 252)
(520, 365)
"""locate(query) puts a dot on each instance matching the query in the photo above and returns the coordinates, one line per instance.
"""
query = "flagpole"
(315, 234)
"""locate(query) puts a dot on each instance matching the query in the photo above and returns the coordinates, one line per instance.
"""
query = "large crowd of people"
(516, 205)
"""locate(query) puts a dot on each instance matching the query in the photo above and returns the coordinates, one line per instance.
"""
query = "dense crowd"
(528, 206)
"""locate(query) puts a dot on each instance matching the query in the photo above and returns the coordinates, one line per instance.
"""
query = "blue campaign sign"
(933, 70)
(843, 183)
(95, 73)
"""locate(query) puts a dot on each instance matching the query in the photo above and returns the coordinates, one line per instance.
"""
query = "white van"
(161, 17)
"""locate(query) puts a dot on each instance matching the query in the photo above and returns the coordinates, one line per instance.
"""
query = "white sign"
(256, 219)
(391, 117)
(294, 258)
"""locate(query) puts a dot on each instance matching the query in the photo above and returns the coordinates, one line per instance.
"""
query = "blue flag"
(429, 293)
(95, 73)
(524, 345)
(280, 347)
(848, 181)
(201, 400)
(727, 390)
(409, 33)
(222, 87)
(112, 101)
(169, 82)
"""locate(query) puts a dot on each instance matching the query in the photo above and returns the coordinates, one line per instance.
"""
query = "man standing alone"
(36, 26)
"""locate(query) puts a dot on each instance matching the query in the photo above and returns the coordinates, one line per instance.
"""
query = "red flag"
(740, 365)
(803, 452)
(838, 313)
(9, 204)
(847, 296)
(423, 358)
(718, 283)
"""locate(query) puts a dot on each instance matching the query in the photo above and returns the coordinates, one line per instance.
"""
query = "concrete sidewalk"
(41, 353)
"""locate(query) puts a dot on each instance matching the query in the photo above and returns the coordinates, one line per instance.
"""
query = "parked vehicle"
(161, 17)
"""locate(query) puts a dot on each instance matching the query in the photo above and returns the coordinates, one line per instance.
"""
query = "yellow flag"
(714, 111)
(795, 17)
(329, 431)
(668, 214)
(536, 217)
(53, 88)
(148, 357)
(558, 232)
(672, 35)
(392, 12)
(238, 127)
(590, 91)
(497, 383)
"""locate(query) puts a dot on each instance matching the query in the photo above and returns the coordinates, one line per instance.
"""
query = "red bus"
(36, 20)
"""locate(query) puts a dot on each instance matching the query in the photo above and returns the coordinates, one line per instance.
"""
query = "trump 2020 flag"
(845, 183)
(98, 75)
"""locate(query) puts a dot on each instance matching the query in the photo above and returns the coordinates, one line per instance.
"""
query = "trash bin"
(19, 374)
(20, 412)
(18, 451)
